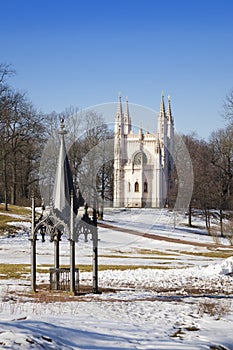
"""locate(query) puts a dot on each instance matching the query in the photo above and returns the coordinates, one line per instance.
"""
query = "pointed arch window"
(129, 187)
(145, 187)
(139, 157)
(136, 187)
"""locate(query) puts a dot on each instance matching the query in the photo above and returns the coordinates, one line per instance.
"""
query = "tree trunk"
(221, 222)
(207, 220)
(13, 187)
(190, 216)
(102, 193)
(5, 184)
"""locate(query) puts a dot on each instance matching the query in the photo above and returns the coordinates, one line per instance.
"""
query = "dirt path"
(158, 237)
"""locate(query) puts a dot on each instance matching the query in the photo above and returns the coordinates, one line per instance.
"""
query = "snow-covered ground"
(182, 299)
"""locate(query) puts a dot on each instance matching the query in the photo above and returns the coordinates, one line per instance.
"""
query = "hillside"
(157, 293)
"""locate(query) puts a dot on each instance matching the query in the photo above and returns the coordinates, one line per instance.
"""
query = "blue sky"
(83, 52)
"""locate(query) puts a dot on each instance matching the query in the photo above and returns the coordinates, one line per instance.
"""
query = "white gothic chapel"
(142, 161)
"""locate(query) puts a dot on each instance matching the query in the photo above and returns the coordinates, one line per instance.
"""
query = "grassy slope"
(5, 218)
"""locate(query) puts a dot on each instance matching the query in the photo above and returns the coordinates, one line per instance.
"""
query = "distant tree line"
(21, 138)
(212, 163)
(24, 132)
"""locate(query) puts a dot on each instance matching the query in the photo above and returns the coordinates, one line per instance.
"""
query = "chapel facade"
(142, 161)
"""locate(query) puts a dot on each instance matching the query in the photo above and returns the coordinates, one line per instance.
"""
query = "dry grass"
(228, 231)
(160, 257)
(154, 252)
(5, 218)
(141, 253)
(14, 271)
(15, 209)
(101, 267)
(215, 308)
(21, 271)
(218, 253)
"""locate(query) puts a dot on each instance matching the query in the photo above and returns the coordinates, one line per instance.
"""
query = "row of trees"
(24, 131)
(212, 163)
(21, 136)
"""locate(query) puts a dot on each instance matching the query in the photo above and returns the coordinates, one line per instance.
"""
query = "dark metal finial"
(62, 126)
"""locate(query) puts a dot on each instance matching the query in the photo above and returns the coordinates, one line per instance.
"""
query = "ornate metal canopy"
(61, 218)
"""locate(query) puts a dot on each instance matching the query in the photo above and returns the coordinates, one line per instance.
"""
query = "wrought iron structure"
(60, 279)
(52, 224)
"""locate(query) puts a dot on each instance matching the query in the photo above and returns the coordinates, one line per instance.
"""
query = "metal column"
(95, 263)
(95, 255)
(72, 267)
(72, 246)
(56, 260)
(33, 248)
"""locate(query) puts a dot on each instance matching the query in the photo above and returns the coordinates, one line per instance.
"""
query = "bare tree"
(221, 142)
(204, 195)
(6, 71)
(94, 155)
(21, 134)
(228, 108)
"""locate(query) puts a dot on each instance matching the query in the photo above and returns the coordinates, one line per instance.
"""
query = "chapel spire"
(169, 112)
(162, 106)
(127, 106)
(170, 131)
(127, 119)
(157, 144)
(119, 107)
(119, 121)
(162, 122)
